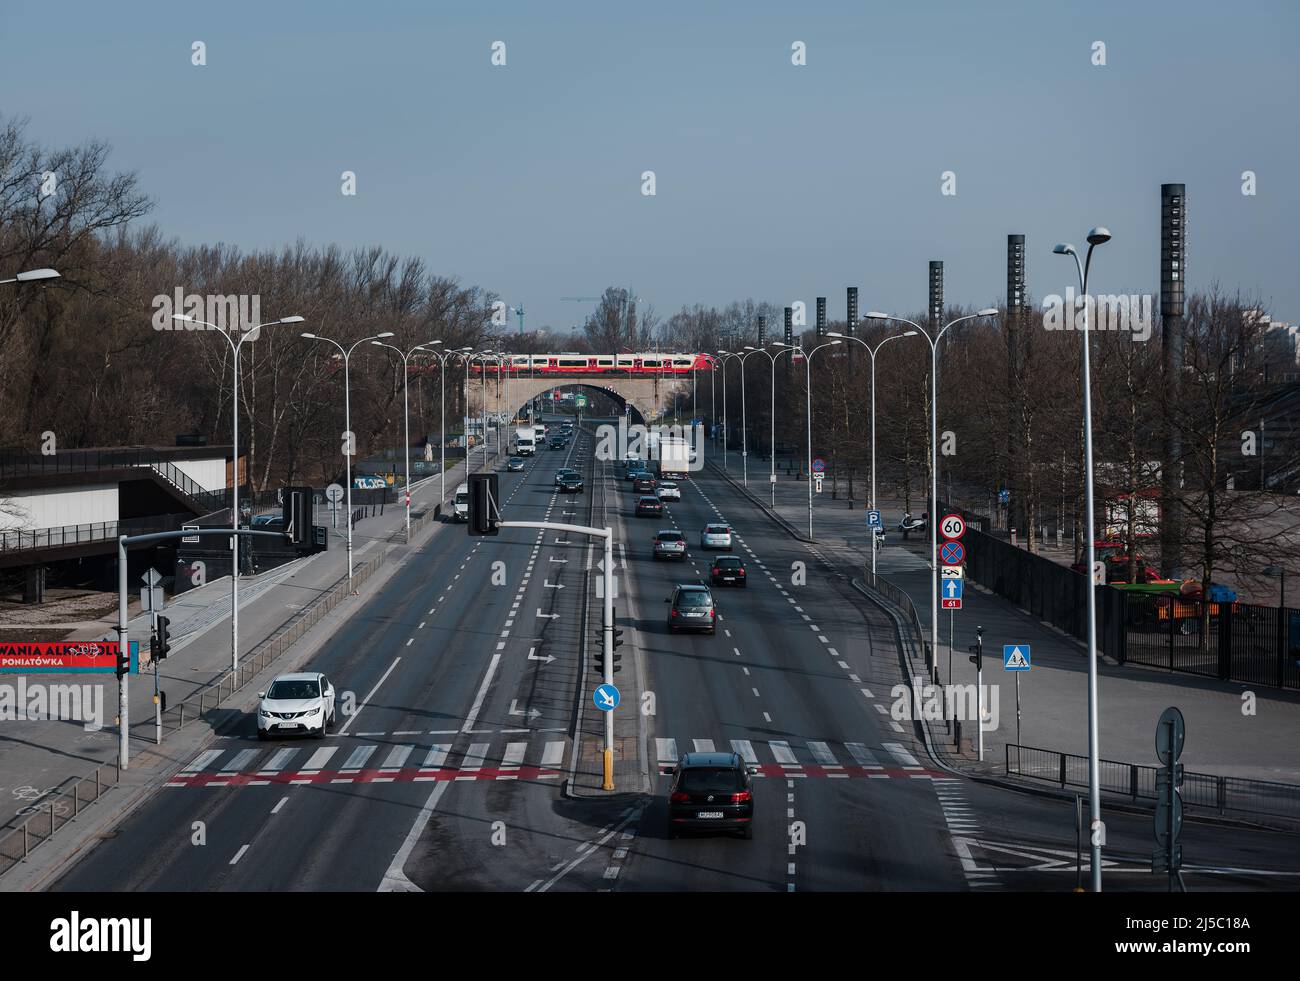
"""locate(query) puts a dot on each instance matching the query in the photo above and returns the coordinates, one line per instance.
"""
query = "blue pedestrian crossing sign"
(873, 519)
(951, 588)
(606, 698)
(1015, 657)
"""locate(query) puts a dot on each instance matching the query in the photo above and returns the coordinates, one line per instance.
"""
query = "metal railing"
(52, 810)
(899, 598)
(1225, 796)
(18, 539)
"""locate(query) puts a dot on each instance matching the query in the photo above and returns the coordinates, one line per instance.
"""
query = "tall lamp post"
(1096, 237)
(807, 366)
(726, 429)
(933, 519)
(744, 419)
(249, 335)
(350, 439)
(872, 351)
(771, 420)
(406, 416)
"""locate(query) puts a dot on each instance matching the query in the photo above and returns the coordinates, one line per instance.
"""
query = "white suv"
(296, 703)
(716, 536)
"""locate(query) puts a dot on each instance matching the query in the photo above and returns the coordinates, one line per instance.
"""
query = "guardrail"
(13, 540)
(54, 809)
(1225, 796)
(900, 599)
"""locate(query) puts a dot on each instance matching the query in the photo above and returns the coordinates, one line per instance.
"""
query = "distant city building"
(1281, 349)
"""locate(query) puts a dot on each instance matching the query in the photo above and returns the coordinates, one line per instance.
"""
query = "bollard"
(956, 734)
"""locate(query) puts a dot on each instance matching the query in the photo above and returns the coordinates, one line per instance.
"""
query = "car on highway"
(515, 464)
(716, 536)
(649, 507)
(727, 568)
(296, 704)
(460, 506)
(561, 473)
(668, 491)
(633, 468)
(670, 544)
(571, 483)
(691, 608)
(644, 482)
(274, 521)
(711, 792)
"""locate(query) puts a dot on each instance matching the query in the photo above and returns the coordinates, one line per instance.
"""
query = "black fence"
(1259, 645)
(1226, 796)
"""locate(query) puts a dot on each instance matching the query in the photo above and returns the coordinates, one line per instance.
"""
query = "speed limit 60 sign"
(952, 526)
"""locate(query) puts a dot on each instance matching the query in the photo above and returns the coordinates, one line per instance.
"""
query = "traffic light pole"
(124, 680)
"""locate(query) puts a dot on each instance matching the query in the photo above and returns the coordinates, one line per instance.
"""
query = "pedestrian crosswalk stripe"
(437, 756)
(667, 750)
(397, 757)
(822, 754)
(862, 756)
(745, 749)
(704, 745)
(320, 758)
(202, 760)
(514, 754)
(553, 754)
(474, 756)
(358, 758)
(782, 752)
(239, 761)
(278, 761)
(903, 756)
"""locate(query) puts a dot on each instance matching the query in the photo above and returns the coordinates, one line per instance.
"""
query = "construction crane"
(520, 311)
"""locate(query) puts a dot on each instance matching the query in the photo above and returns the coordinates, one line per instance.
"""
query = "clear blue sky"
(774, 181)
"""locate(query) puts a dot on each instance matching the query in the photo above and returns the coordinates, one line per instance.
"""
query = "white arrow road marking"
(516, 710)
(547, 584)
(547, 616)
(561, 561)
(534, 657)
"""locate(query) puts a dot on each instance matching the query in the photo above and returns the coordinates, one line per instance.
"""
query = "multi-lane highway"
(462, 676)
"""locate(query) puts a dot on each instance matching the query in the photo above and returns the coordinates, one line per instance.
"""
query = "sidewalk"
(38, 755)
(1221, 739)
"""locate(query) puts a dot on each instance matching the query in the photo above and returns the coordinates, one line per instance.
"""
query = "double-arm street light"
(1096, 237)
(744, 419)
(443, 358)
(406, 415)
(933, 518)
(807, 367)
(349, 440)
(249, 335)
(726, 429)
(872, 351)
(771, 419)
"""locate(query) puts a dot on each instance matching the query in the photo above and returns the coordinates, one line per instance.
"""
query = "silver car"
(670, 544)
(716, 536)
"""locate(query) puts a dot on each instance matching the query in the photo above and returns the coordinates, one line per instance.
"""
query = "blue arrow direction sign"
(606, 698)
(1015, 657)
(952, 553)
(873, 519)
(951, 588)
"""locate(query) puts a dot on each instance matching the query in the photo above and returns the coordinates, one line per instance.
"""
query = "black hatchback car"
(571, 483)
(727, 568)
(711, 792)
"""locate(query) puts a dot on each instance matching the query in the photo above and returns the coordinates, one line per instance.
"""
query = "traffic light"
(599, 660)
(162, 640)
(789, 326)
(298, 515)
(853, 311)
(123, 660)
(484, 515)
(977, 648)
(762, 331)
(821, 317)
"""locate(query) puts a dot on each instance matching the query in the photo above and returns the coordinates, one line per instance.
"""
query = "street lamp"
(350, 439)
(771, 419)
(1096, 237)
(726, 429)
(248, 335)
(406, 416)
(807, 367)
(872, 351)
(32, 275)
(934, 461)
(744, 421)
(442, 412)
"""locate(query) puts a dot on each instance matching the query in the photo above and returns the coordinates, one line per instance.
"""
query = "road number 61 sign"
(952, 527)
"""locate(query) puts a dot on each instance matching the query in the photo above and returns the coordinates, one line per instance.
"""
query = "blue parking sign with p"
(873, 519)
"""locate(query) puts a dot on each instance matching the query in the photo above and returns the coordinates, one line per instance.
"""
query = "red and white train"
(646, 363)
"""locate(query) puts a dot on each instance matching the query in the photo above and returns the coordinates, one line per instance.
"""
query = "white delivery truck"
(525, 442)
(674, 457)
(460, 507)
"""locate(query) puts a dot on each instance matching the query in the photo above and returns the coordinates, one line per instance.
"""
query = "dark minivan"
(711, 792)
